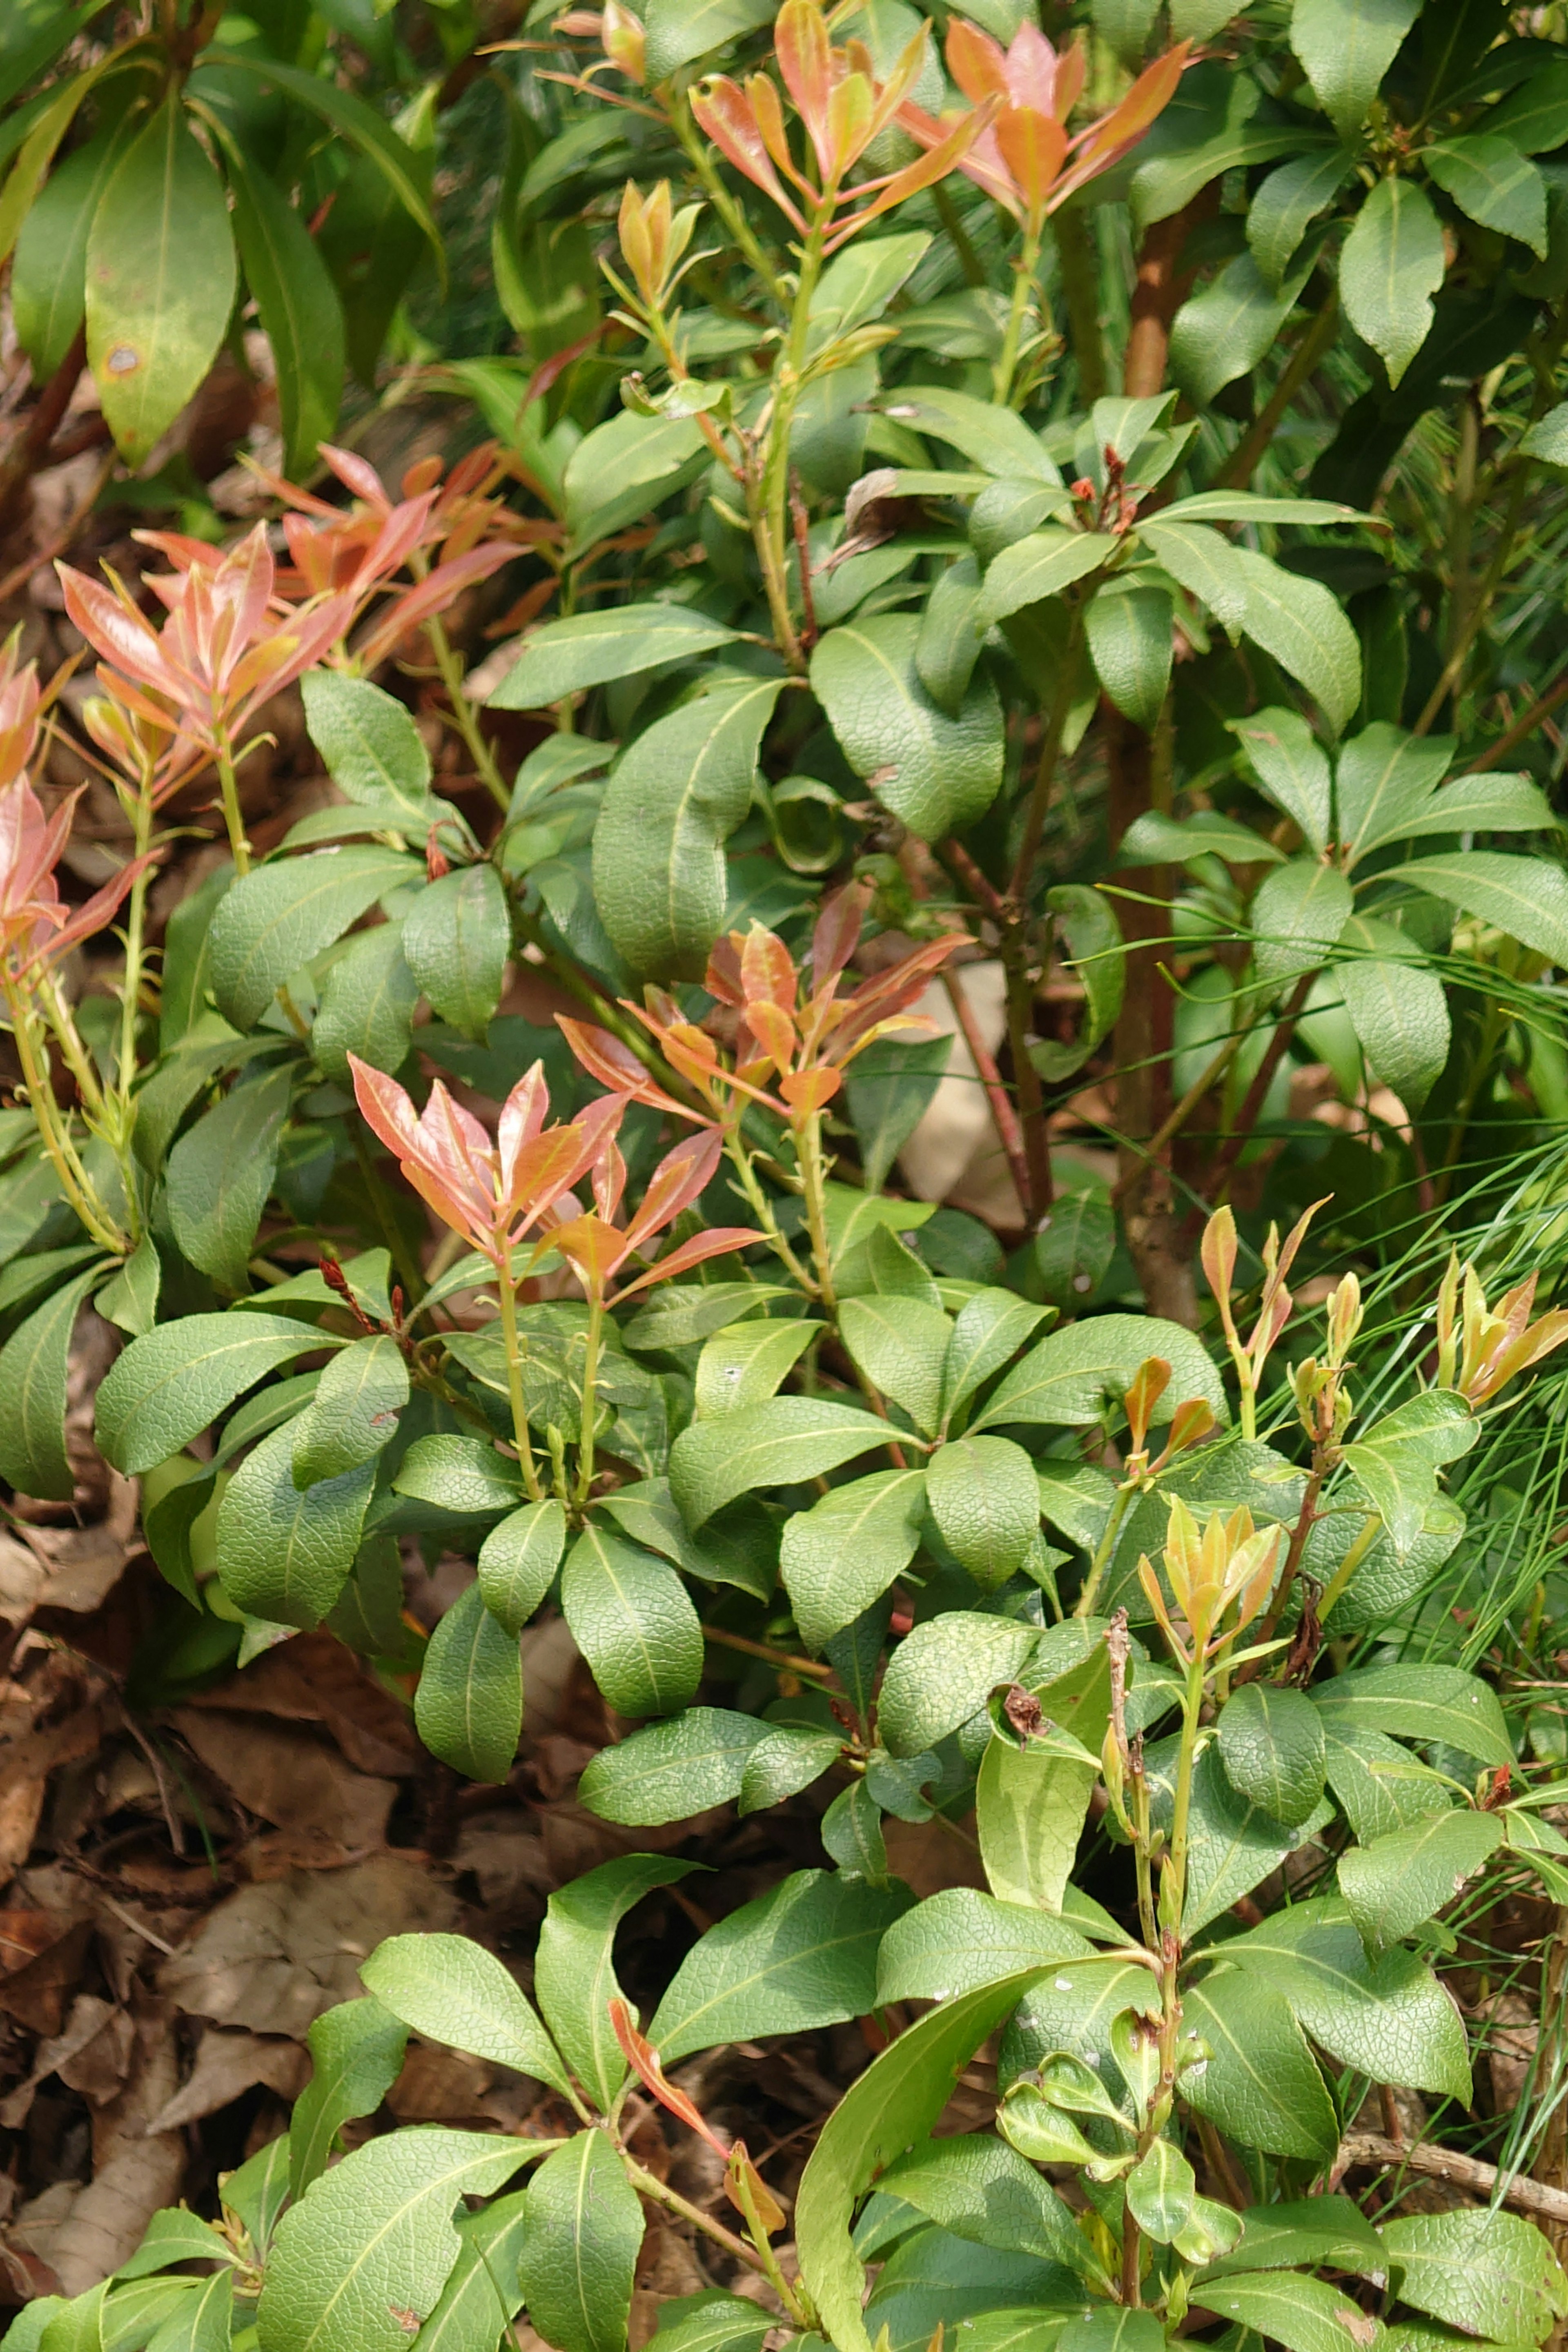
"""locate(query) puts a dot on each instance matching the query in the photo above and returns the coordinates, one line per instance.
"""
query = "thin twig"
(1459, 2171)
(1009, 1133)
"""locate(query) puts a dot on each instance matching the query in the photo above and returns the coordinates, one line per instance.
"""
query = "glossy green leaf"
(372, 750)
(1073, 1375)
(518, 1561)
(774, 1445)
(1199, 558)
(1032, 1800)
(1393, 263)
(1291, 770)
(979, 2188)
(1304, 628)
(1427, 1703)
(787, 1759)
(1130, 643)
(1397, 1458)
(284, 1554)
(35, 1366)
(581, 2234)
(1045, 563)
(959, 1939)
(356, 2055)
(1225, 330)
(1156, 839)
(353, 1412)
(851, 1832)
(1260, 2083)
(673, 800)
(220, 1175)
(679, 31)
(459, 1474)
(1330, 2230)
(1399, 1011)
(298, 305)
(671, 1770)
(574, 1969)
(990, 1330)
(1525, 897)
(482, 2291)
(452, 1990)
(746, 1363)
(1271, 1745)
(948, 645)
(1285, 206)
(563, 658)
(631, 1618)
(1298, 913)
(837, 1557)
(1159, 2190)
(937, 774)
(1233, 1843)
(1380, 1784)
(800, 1957)
(1346, 47)
(1487, 2273)
(1305, 2314)
(469, 1705)
(456, 937)
(900, 1347)
(280, 915)
(713, 2321)
(367, 1006)
(374, 2237)
(992, 436)
(895, 2102)
(944, 1670)
(48, 265)
(986, 1505)
(161, 275)
(1490, 179)
(1402, 1880)
(170, 1385)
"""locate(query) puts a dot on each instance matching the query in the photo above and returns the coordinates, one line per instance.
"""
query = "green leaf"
(1546, 441)
(34, 1365)
(458, 1474)
(1399, 1011)
(745, 1363)
(279, 917)
(895, 2102)
(1074, 1245)
(1392, 264)
(836, 1557)
(997, 438)
(175, 2235)
(672, 801)
(1397, 1458)
(679, 31)
(1392, 2019)
(565, 656)
(575, 1977)
(1154, 839)
(581, 2235)
(1400, 1881)
(633, 1622)
(482, 2291)
(991, 1329)
(1298, 913)
(1291, 770)
(367, 1007)
(1428, 1703)
(980, 2189)
(1130, 644)
(1199, 560)
(937, 774)
(1271, 1745)
(948, 645)
(778, 1444)
(354, 1411)
(1076, 1375)
(1480, 804)
(713, 2321)
(800, 1957)
(1287, 203)
(456, 937)
(1305, 2314)
(130, 1298)
(1045, 563)
(1260, 2083)
(900, 1347)
(1233, 1843)
(452, 1990)
(220, 1174)
(299, 307)
(161, 278)
(1380, 1784)
(374, 2237)
(373, 752)
(1525, 897)
(1346, 47)
(1489, 2274)
(960, 1939)
(618, 472)
(787, 1759)
(469, 1705)
(887, 1089)
(851, 1834)
(282, 1554)
(170, 1385)
(49, 265)
(1330, 2231)
(1490, 179)
(1303, 626)
(356, 2055)
(1032, 1801)
(1093, 952)
(1160, 2191)
(683, 1312)
(351, 115)
(1384, 783)
(942, 1671)
(1224, 330)
(671, 1770)
(986, 1504)
(518, 1561)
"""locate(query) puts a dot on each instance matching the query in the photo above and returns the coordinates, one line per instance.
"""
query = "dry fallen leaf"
(135, 2171)
(270, 1957)
(227, 2065)
(289, 1774)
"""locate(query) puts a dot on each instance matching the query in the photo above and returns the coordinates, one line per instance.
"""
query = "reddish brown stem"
(1002, 1113)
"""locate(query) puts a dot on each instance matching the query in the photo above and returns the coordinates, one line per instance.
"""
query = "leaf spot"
(123, 360)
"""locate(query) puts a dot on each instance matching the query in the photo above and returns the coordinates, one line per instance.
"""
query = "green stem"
(1348, 1566)
(762, 1208)
(648, 2184)
(590, 1398)
(135, 936)
(465, 718)
(524, 1443)
(75, 1181)
(1174, 1874)
(772, 542)
(808, 1144)
(229, 786)
(1103, 1550)
(1024, 270)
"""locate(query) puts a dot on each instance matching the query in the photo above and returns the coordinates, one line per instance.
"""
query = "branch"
(1459, 2172)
